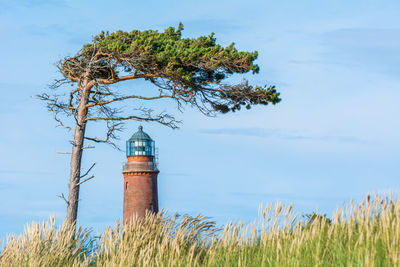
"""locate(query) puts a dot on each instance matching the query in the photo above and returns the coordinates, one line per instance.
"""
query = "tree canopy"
(193, 69)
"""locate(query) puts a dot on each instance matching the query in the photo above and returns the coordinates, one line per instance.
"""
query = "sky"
(333, 137)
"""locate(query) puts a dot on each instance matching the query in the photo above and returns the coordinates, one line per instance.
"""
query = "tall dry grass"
(364, 234)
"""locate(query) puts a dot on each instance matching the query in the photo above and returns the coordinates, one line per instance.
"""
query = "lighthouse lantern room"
(140, 144)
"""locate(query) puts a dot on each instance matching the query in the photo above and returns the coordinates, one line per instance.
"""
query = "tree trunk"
(76, 156)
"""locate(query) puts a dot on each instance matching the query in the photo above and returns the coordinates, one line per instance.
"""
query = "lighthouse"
(140, 176)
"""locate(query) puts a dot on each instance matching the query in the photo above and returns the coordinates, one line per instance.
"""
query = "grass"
(363, 234)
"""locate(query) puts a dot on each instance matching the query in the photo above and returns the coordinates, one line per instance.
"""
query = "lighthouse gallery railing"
(139, 166)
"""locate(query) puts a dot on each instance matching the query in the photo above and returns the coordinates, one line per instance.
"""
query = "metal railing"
(139, 166)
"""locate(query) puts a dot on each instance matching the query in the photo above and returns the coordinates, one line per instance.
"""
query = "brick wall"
(140, 190)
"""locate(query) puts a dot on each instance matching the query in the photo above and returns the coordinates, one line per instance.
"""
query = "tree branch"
(88, 147)
(63, 198)
(112, 127)
(88, 171)
(162, 118)
(66, 153)
(60, 124)
(53, 103)
(71, 95)
(87, 179)
(97, 140)
(126, 77)
(127, 97)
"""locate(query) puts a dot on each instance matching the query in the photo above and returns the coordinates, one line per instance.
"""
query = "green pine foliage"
(194, 69)
(188, 59)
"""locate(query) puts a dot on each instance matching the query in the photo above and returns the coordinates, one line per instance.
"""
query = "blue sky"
(333, 137)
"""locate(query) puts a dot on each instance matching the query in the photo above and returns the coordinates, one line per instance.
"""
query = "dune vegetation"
(359, 234)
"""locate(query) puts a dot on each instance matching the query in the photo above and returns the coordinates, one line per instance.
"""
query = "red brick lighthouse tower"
(140, 176)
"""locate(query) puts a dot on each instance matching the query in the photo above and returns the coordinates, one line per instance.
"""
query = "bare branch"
(112, 127)
(72, 94)
(88, 171)
(162, 118)
(60, 124)
(53, 103)
(88, 147)
(66, 153)
(97, 140)
(60, 82)
(87, 179)
(127, 97)
(63, 198)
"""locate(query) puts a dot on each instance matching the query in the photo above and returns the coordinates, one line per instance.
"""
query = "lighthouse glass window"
(148, 149)
(139, 148)
(143, 148)
(130, 149)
